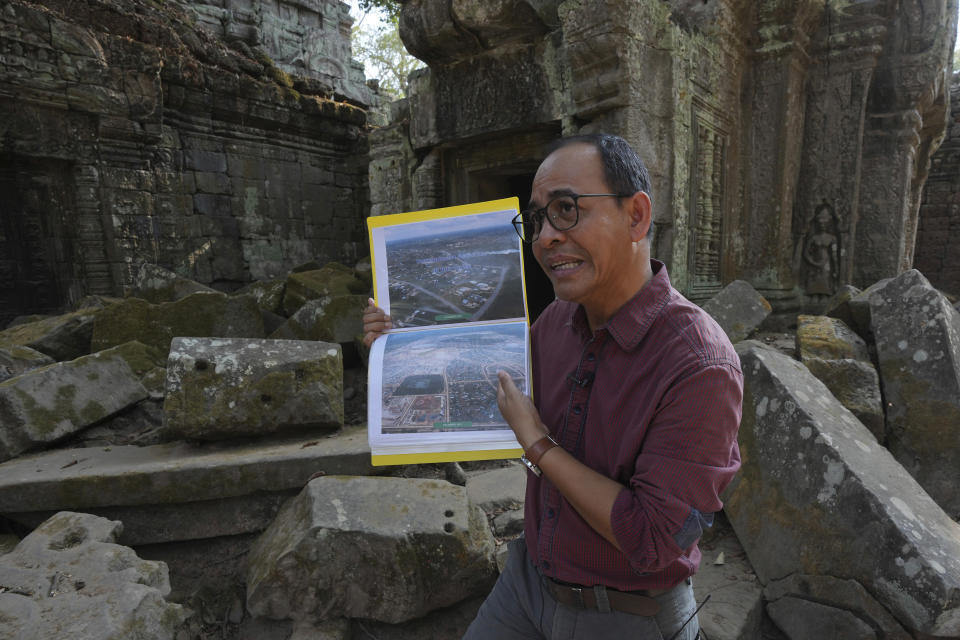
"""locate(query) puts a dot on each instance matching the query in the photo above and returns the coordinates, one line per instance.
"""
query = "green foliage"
(379, 46)
(389, 7)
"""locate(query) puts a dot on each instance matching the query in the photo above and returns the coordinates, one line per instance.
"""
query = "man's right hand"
(375, 323)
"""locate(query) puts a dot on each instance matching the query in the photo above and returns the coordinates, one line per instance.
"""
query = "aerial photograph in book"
(446, 380)
(461, 269)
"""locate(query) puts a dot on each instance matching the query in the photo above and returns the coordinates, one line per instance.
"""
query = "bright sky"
(372, 18)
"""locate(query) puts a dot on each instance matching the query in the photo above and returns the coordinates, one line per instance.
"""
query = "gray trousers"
(519, 606)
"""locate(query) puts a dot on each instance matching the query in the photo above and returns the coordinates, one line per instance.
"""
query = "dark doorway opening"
(36, 245)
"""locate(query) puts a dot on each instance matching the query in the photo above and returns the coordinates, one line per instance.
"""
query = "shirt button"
(549, 513)
(577, 410)
(591, 357)
(546, 565)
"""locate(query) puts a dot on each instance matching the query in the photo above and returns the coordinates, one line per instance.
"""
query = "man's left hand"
(519, 412)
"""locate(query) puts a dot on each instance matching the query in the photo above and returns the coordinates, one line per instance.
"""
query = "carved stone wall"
(130, 135)
(309, 38)
(788, 141)
(937, 255)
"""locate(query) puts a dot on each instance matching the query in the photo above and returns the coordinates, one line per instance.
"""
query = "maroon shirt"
(652, 400)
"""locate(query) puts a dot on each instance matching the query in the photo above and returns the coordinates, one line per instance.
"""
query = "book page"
(438, 388)
(452, 281)
(465, 268)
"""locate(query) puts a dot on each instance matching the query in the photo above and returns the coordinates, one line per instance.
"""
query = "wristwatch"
(531, 457)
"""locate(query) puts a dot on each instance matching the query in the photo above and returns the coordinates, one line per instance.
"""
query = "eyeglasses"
(563, 213)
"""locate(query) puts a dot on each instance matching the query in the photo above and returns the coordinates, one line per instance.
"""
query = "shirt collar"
(630, 322)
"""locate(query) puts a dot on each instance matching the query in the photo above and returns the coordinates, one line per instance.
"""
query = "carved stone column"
(845, 54)
(428, 188)
(775, 143)
(906, 120)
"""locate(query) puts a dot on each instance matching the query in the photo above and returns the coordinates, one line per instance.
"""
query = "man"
(633, 433)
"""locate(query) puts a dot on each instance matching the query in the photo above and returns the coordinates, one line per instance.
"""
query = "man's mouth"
(565, 265)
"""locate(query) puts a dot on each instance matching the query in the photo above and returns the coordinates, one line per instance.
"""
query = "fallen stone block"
(815, 486)
(451, 622)
(801, 619)
(332, 279)
(267, 293)
(69, 580)
(508, 523)
(155, 284)
(853, 308)
(841, 360)
(848, 595)
(917, 337)
(177, 522)
(220, 388)
(27, 319)
(498, 489)
(857, 386)
(176, 472)
(16, 359)
(738, 309)
(387, 549)
(95, 302)
(198, 315)
(44, 405)
(63, 337)
(828, 339)
(336, 318)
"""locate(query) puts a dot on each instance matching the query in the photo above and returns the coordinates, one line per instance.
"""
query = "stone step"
(177, 472)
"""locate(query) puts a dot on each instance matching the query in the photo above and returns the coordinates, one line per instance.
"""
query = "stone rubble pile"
(238, 458)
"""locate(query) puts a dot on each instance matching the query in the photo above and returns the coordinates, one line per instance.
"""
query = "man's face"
(588, 264)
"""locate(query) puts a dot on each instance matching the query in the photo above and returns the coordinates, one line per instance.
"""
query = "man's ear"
(641, 213)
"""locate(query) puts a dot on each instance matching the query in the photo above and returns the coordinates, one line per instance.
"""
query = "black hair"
(623, 168)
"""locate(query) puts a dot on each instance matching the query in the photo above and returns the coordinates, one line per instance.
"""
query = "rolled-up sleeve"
(688, 456)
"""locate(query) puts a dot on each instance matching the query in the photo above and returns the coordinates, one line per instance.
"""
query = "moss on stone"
(198, 315)
(332, 279)
(44, 421)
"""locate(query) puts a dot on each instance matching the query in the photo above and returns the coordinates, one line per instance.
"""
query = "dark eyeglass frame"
(536, 216)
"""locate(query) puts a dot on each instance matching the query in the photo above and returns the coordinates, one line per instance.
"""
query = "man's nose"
(549, 235)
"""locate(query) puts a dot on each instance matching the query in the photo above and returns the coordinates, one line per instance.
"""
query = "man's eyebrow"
(556, 193)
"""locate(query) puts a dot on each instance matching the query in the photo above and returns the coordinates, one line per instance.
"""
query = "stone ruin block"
(199, 314)
(177, 473)
(62, 337)
(17, 359)
(221, 388)
(336, 318)
(68, 579)
(917, 337)
(841, 360)
(818, 496)
(332, 279)
(848, 596)
(267, 293)
(155, 284)
(738, 309)
(41, 406)
(386, 549)
(800, 618)
(852, 306)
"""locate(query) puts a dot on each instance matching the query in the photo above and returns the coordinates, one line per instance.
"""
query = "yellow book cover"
(452, 281)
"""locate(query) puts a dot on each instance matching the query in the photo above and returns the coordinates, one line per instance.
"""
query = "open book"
(452, 281)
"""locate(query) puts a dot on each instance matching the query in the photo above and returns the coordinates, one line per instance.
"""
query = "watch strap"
(535, 451)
